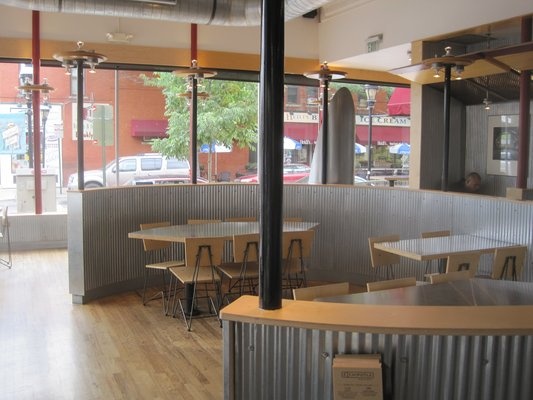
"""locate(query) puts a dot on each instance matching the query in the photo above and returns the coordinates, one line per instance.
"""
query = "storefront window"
(142, 116)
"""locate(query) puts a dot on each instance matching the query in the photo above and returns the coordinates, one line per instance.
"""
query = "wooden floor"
(114, 348)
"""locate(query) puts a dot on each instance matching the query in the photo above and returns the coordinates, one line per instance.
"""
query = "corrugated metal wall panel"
(296, 363)
(30, 231)
(347, 216)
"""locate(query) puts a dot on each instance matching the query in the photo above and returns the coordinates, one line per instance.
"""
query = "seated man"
(470, 184)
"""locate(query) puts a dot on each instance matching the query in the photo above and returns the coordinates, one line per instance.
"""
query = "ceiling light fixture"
(71, 59)
(195, 75)
(486, 100)
(29, 88)
(448, 61)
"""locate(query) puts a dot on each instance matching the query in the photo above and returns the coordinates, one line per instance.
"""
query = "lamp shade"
(371, 91)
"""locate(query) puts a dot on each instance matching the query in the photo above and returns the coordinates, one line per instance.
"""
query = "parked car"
(291, 174)
(164, 181)
(357, 180)
(137, 167)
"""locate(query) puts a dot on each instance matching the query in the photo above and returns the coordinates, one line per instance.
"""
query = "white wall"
(301, 33)
(351, 22)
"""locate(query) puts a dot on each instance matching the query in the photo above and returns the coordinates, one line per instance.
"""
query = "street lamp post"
(29, 113)
(45, 111)
(370, 91)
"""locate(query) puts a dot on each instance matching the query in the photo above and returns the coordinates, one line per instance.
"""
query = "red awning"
(149, 128)
(304, 133)
(400, 102)
(383, 134)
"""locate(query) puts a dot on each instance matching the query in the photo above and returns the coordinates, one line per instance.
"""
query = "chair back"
(246, 248)
(390, 284)
(463, 262)
(297, 244)
(293, 219)
(241, 219)
(202, 221)
(449, 276)
(203, 252)
(508, 262)
(433, 234)
(151, 245)
(312, 292)
(380, 258)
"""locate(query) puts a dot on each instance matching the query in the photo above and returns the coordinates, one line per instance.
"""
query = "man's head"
(473, 182)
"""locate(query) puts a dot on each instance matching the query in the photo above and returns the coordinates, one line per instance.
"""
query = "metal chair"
(202, 255)
(463, 262)
(243, 271)
(5, 236)
(156, 253)
(449, 276)
(508, 262)
(241, 219)
(312, 292)
(390, 284)
(433, 234)
(296, 248)
(202, 221)
(380, 258)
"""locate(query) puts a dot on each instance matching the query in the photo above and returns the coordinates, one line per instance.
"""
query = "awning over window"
(383, 134)
(304, 133)
(149, 128)
(400, 102)
(308, 133)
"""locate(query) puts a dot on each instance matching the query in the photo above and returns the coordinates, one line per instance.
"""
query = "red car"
(291, 174)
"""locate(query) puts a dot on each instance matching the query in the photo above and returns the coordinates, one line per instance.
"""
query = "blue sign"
(13, 133)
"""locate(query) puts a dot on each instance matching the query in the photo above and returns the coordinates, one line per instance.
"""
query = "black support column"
(271, 152)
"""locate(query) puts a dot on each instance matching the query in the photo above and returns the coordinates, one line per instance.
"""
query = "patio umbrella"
(401, 148)
(359, 148)
(291, 144)
(215, 148)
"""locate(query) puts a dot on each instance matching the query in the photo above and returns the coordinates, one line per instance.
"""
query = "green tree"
(227, 116)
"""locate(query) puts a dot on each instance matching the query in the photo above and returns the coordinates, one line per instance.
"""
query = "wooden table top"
(469, 292)
(441, 247)
(225, 230)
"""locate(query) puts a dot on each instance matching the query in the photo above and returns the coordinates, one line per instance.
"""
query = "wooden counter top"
(418, 320)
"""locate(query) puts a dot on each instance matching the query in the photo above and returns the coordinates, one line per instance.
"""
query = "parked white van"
(131, 168)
